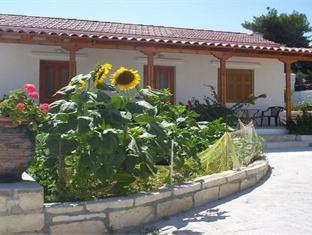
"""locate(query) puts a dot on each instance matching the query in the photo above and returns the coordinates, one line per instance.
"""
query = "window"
(164, 77)
(239, 84)
(53, 76)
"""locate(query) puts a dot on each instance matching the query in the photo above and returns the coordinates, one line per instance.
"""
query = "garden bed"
(124, 213)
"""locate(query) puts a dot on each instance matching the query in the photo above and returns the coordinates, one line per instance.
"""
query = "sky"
(224, 15)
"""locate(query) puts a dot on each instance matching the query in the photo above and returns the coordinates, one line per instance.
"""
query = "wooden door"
(53, 76)
(164, 77)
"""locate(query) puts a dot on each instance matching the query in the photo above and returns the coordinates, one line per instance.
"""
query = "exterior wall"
(20, 65)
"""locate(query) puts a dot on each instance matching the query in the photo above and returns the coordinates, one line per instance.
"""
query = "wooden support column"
(287, 68)
(222, 76)
(288, 90)
(72, 49)
(72, 63)
(150, 66)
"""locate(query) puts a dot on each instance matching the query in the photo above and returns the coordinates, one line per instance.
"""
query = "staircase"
(277, 140)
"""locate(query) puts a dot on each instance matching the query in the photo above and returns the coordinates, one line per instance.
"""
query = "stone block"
(70, 218)
(132, 217)
(83, 227)
(212, 180)
(256, 168)
(174, 206)
(62, 208)
(248, 182)
(152, 196)
(206, 195)
(30, 201)
(3, 204)
(236, 176)
(260, 174)
(112, 203)
(21, 223)
(228, 188)
(186, 188)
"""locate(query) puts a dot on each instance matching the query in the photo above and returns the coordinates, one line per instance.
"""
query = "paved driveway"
(280, 204)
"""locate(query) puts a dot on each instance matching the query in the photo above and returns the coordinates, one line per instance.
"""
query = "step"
(286, 137)
(280, 138)
(287, 144)
(271, 131)
(268, 151)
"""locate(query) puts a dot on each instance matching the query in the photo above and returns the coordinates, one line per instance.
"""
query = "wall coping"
(126, 212)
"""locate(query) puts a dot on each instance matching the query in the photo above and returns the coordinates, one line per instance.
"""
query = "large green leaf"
(68, 107)
(143, 118)
(84, 124)
(101, 96)
(56, 105)
(117, 101)
(66, 90)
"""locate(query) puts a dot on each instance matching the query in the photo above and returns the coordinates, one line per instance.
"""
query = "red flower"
(44, 107)
(20, 106)
(34, 95)
(30, 88)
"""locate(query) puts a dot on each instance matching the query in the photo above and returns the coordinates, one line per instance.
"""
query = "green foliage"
(288, 29)
(302, 125)
(101, 141)
(303, 106)
(292, 30)
(232, 150)
(20, 108)
(212, 109)
(95, 144)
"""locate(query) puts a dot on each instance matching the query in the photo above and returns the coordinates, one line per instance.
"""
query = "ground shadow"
(206, 213)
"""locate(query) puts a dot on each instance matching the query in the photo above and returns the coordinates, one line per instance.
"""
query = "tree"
(292, 30)
(288, 29)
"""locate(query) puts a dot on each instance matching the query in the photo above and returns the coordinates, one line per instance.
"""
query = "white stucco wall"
(19, 64)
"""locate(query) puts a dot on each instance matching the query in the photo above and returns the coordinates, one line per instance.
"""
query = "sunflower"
(101, 73)
(82, 84)
(125, 78)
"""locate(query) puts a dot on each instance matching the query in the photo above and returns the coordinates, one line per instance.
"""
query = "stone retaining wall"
(124, 213)
(21, 207)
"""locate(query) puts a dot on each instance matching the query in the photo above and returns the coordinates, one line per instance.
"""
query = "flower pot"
(16, 150)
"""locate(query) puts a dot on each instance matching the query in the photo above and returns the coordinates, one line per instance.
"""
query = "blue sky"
(226, 15)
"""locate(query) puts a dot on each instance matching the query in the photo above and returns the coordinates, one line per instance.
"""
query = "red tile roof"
(136, 32)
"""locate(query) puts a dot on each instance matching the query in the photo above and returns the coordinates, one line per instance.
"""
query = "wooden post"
(222, 81)
(72, 63)
(150, 66)
(222, 76)
(287, 65)
(288, 90)
(72, 49)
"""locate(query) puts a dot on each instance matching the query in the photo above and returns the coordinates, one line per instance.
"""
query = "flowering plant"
(21, 107)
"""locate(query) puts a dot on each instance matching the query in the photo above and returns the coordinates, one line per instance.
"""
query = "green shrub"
(303, 106)
(302, 125)
(211, 109)
(104, 140)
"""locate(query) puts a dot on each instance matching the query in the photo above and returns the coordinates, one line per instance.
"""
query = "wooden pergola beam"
(156, 47)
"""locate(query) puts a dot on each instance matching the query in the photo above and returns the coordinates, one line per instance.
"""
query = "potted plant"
(19, 117)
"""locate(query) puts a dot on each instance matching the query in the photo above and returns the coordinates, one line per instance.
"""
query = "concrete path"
(280, 204)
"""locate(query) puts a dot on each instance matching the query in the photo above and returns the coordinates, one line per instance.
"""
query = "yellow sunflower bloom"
(82, 85)
(125, 78)
(101, 74)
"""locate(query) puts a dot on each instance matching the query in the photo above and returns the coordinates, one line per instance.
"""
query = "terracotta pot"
(16, 150)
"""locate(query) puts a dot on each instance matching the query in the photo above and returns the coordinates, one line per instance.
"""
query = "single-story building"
(48, 51)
